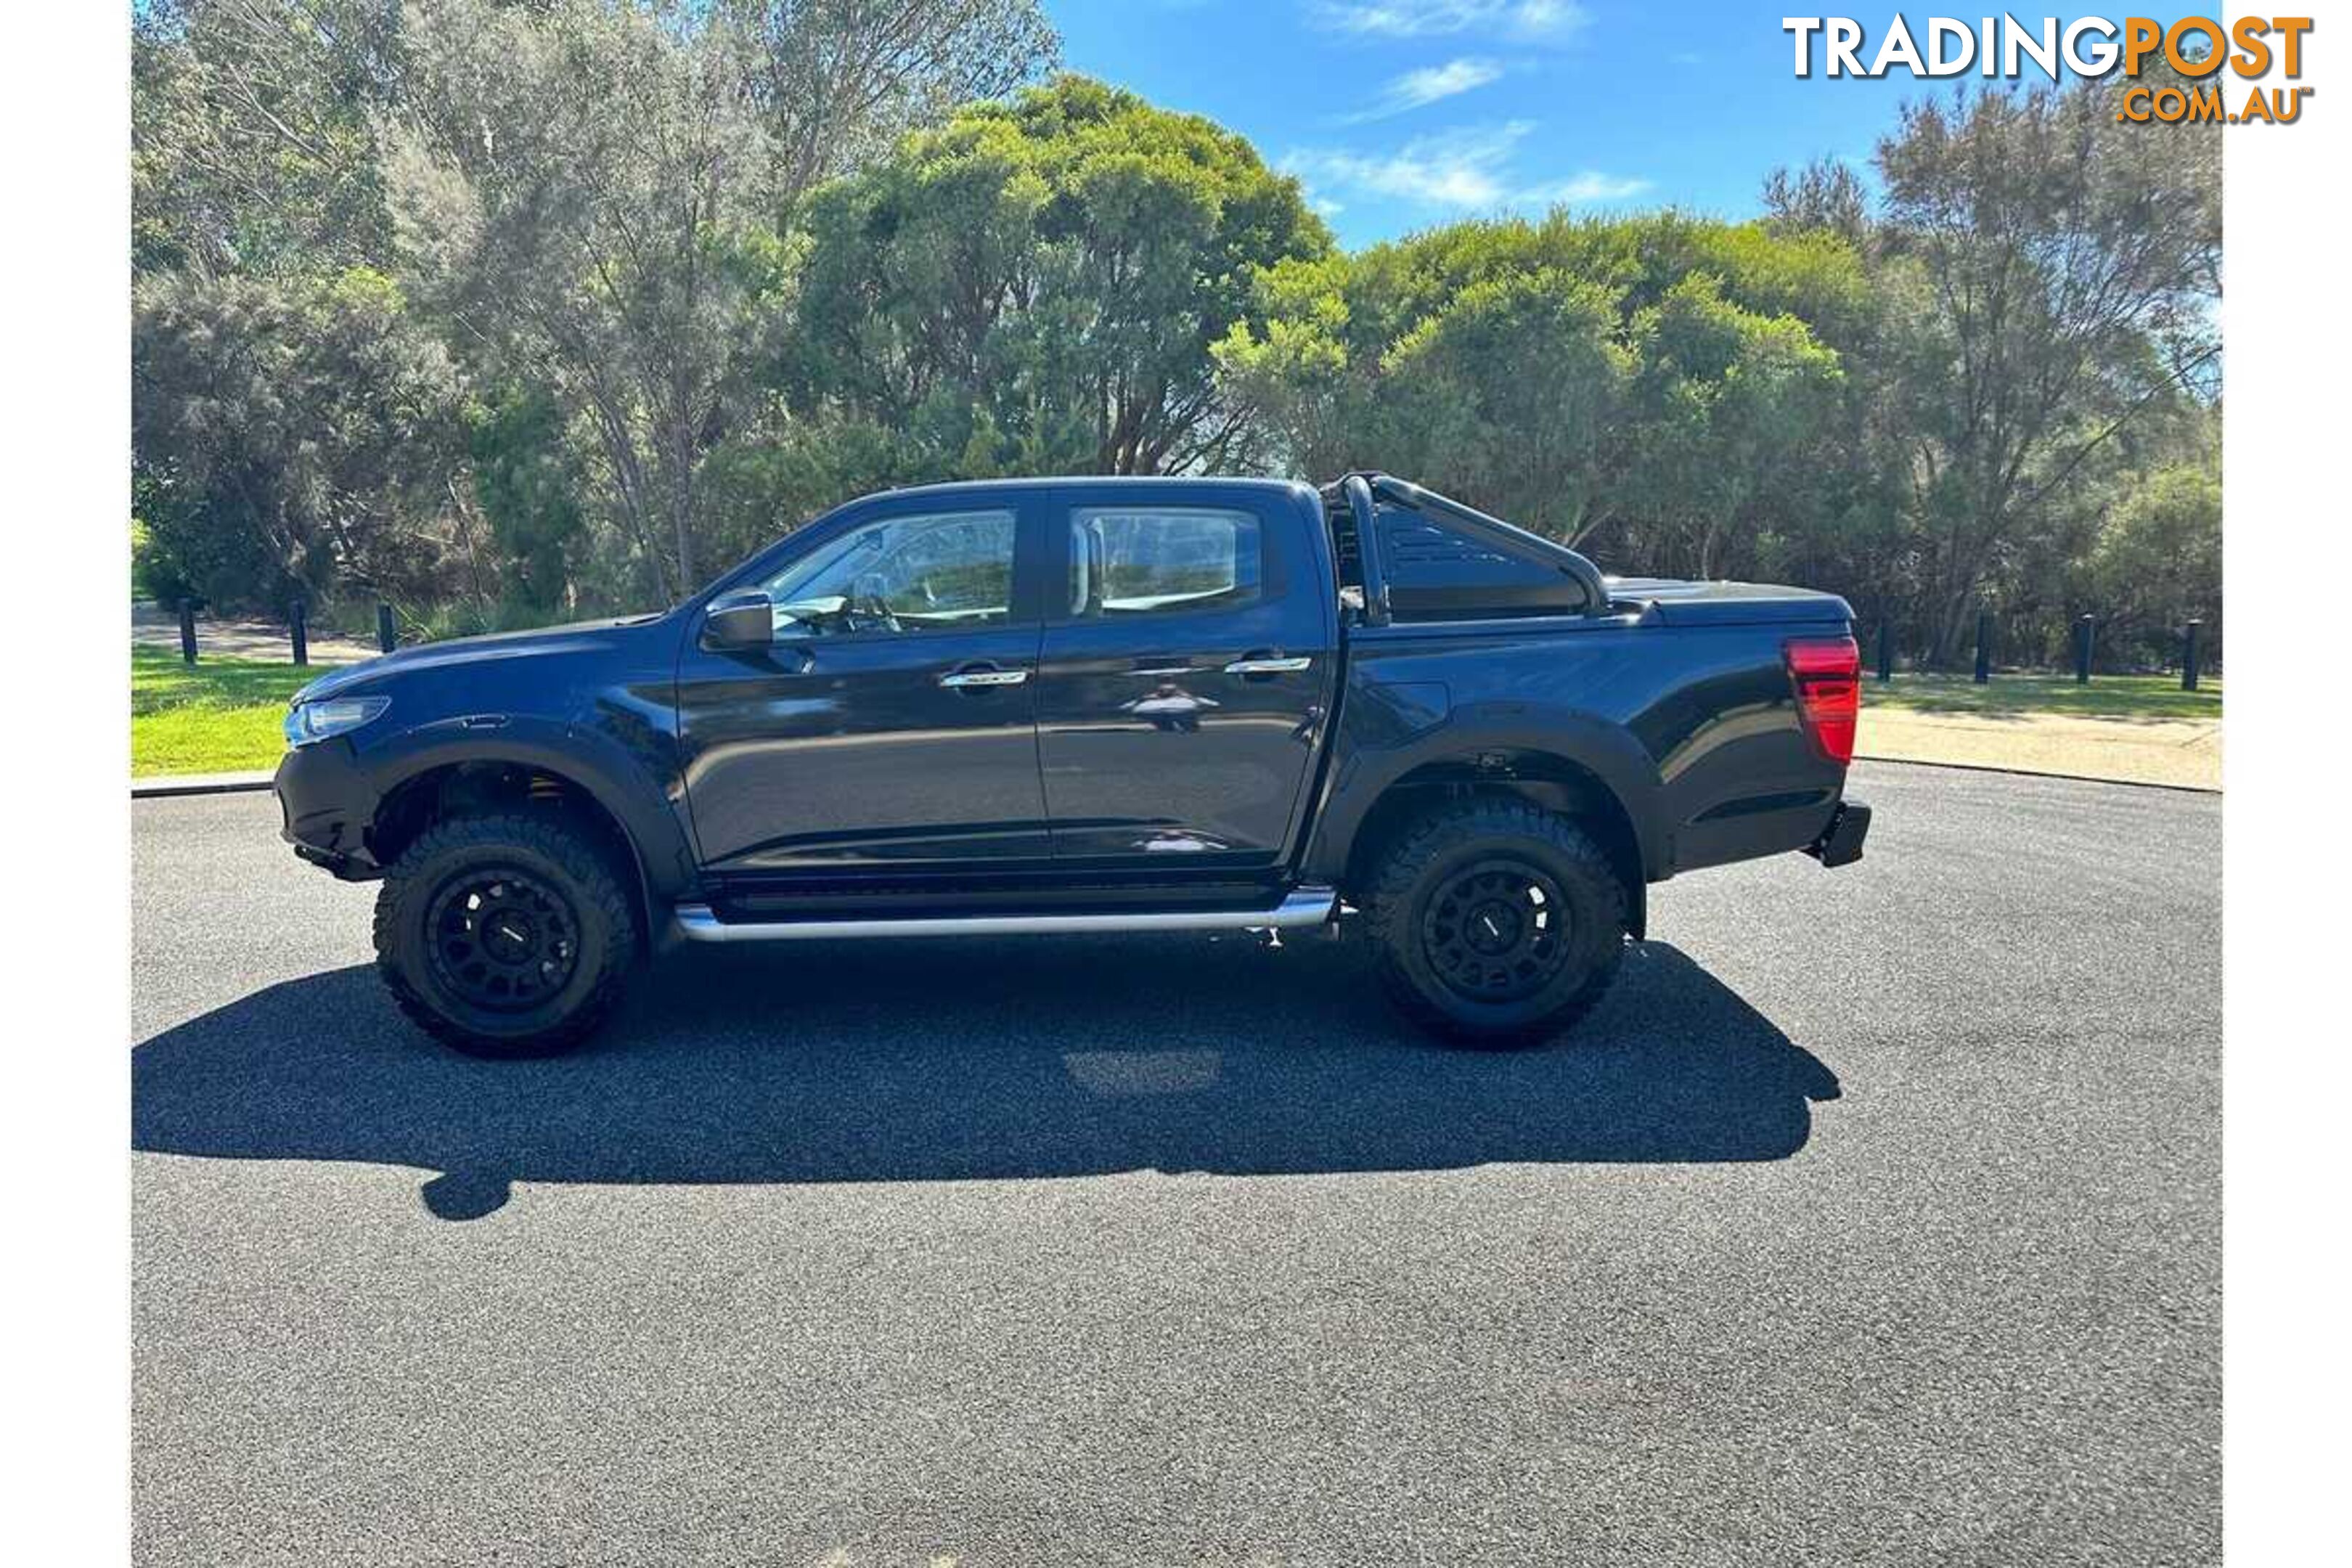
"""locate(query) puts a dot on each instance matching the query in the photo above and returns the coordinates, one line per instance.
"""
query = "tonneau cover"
(1681, 603)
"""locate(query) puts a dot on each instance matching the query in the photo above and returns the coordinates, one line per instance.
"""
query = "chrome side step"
(1305, 907)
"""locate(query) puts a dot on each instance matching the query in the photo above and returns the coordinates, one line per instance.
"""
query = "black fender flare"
(1606, 750)
(618, 780)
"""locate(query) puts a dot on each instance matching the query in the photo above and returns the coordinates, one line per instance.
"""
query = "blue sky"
(1399, 114)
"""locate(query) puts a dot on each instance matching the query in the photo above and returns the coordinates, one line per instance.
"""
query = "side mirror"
(743, 619)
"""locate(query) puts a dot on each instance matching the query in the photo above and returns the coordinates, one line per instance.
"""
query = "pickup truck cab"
(1079, 705)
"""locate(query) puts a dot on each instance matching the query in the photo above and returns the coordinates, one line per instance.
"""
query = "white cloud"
(1460, 168)
(1525, 20)
(1467, 169)
(1418, 88)
(1586, 186)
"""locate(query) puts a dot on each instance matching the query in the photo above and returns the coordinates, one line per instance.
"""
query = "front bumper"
(326, 805)
(1841, 842)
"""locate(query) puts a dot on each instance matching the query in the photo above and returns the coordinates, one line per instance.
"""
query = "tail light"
(1827, 675)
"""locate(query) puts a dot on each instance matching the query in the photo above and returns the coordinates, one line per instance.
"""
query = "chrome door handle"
(1268, 665)
(965, 677)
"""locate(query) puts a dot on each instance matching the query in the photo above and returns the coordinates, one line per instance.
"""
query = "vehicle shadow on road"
(978, 1059)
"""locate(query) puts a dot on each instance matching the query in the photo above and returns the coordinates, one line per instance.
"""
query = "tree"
(527, 478)
(253, 146)
(1516, 395)
(837, 82)
(1825, 194)
(1649, 383)
(578, 195)
(547, 302)
(290, 437)
(588, 192)
(1039, 283)
(2156, 562)
(2054, 273)
(1728, 403)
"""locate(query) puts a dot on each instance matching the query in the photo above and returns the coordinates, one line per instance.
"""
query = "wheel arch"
(433, 786)
(1366, 816)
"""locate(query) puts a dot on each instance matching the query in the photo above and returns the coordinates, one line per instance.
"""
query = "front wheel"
(1497, 924)
(505, 936)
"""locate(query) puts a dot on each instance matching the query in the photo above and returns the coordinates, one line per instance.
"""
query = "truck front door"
(1185, 675)
(890, 723)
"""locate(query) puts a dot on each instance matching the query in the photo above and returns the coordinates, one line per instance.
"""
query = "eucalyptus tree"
(577, 191)
(2053, 275)
(253, 144)
(589, 193)
(837, 82)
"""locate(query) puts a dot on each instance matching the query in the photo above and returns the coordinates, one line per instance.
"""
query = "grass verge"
(223, 716)
(2107, 697)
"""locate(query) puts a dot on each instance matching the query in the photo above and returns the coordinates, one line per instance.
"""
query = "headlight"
(335, 716)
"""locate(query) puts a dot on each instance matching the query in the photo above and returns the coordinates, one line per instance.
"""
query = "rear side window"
(1134, 561)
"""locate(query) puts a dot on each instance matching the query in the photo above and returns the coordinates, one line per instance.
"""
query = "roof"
(1093, 481)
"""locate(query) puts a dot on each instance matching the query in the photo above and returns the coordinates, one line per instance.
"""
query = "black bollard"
(1984, 647)
(387, 636)
(298, 627)
(2084, 630)
(2189, 655)
(188, 630)
(1886, 652)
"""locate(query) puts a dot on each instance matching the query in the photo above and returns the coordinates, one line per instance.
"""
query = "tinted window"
(937, 571)
(1128, 561)
(1437, 570)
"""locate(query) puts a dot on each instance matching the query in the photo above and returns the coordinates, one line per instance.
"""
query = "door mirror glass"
(743, 619)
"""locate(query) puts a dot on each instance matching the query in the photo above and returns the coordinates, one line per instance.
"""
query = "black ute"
(1079, 704)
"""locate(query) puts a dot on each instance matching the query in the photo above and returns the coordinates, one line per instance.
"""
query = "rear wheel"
(505, 936)
(1497, 924)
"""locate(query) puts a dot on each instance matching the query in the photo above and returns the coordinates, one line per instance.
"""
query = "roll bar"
(1359, 492)
(1363, 486)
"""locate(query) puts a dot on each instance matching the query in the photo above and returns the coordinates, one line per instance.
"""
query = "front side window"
(934, 573)
(1127, 561)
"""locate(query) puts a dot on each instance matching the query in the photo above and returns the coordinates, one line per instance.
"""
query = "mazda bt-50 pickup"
(1087, 704)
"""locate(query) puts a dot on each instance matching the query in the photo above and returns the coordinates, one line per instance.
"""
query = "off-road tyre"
(1496, 924)
(546, 973)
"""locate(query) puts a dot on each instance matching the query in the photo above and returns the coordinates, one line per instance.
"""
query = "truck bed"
(1674, 695)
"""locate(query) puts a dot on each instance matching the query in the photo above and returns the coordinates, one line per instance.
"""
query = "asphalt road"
(1876, 1218)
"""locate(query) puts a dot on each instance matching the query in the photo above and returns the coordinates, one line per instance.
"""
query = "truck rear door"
(1186, 673)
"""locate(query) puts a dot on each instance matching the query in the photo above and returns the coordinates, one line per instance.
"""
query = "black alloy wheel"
(503, 941)
(1496, 930)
